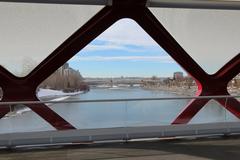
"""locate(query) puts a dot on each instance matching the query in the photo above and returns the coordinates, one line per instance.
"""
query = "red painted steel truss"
(19, 89)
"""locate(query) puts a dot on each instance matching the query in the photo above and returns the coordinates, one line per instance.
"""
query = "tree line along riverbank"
(185, 86)
(66, 79)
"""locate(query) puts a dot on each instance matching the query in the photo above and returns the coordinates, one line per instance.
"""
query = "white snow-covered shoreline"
(51, 93)
(46, 93)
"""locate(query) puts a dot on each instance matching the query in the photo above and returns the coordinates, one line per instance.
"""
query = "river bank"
(183, 90)
(49, 93)
(186, 91)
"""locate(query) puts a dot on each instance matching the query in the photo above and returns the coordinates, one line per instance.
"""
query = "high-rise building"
(178, 75)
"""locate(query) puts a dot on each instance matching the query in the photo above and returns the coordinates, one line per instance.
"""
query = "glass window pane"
(23, 119)
(213, 112)
(30, 32)
(210, 37)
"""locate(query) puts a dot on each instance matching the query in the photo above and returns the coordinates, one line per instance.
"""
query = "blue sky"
(124, 49)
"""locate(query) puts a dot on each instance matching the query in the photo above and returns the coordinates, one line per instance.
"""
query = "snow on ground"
(51, 93)
(45, 93)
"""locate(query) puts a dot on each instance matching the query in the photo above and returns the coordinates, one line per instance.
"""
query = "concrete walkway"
(201, 149)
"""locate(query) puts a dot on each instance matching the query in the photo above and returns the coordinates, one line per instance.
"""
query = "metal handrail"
(193, 4)
(118, 100)
(196, 4)
(73, 2)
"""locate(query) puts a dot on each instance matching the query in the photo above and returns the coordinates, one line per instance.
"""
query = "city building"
(178, 75)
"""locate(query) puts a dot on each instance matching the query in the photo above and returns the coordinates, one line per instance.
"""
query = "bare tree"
(66, 79)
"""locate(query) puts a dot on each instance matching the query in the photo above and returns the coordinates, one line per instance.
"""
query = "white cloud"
(162, 59)
(121, 35)
(105, 47)
(127, 32)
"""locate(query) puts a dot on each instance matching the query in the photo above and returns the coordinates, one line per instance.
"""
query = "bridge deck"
(198, 149)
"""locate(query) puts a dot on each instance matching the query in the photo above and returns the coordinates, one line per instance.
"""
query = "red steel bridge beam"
(23, 89)
(18, 89)
(208, 85)
(214, 85)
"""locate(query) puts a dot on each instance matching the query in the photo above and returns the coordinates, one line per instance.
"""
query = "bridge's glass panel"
(23, 119)
(119, 114)
(153, 113)
(213, 112)
(93, 115)
(210, 37)
(30, 32)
